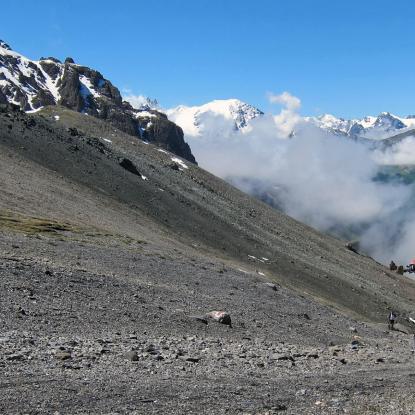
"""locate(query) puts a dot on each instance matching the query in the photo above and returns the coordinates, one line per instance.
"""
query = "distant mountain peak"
(193, 119)
(377, 127)
(4, 45)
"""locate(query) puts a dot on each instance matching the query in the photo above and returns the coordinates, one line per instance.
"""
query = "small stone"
(343, 361)
(271, 285)
(62, 355)
(193, 359)
(279, 407)
(15, 357)
(132, 356)
(280, 356)
(353, 329)
(150, 348)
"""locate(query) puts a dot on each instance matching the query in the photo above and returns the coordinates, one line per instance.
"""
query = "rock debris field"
(109, 288)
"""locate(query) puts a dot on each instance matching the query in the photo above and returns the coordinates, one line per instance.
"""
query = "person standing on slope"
(392, 320)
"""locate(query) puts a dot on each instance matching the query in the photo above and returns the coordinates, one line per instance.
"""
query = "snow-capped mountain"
(32, 85)
(193, 120)
(219, 117)
(383, 126)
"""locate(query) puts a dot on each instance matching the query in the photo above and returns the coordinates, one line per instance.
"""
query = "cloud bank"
(324, 180)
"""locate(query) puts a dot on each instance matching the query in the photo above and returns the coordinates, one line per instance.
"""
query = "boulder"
(63, 355)
(132, 356)
(221, 317)
(271, 285)
(353, 246)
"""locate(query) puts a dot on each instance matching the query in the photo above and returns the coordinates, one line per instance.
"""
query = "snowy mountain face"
(28, 84)
(222, 116)
(228, 114)
(32, 85)
(383, 126)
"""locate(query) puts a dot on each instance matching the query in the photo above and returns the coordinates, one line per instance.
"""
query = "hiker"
(392, 320)
(392, 266)
(413, 344)
(411, 267)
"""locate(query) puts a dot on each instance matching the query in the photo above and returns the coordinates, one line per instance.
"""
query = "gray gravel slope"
(102, 274)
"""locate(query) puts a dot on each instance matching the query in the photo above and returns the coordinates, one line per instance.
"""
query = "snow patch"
(179, 162)
(143, 114)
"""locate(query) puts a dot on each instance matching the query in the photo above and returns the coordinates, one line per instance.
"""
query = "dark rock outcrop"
(49, 82)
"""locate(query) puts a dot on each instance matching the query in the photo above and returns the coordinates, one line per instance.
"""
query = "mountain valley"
(136, 282)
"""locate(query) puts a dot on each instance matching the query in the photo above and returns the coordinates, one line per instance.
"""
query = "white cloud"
(289, 101)
(401, 153)
(324, 180)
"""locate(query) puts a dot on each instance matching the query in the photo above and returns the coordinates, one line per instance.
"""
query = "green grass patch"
(32, 225)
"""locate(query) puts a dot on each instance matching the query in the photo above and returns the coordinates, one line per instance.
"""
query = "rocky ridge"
(35, 84)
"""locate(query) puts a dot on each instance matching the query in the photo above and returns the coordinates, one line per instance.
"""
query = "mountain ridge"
(192, 119)
(32, 85)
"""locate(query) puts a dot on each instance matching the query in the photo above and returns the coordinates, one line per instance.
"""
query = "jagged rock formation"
(34, 84)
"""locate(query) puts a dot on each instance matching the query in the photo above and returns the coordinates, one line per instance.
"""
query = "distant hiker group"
(401, 270)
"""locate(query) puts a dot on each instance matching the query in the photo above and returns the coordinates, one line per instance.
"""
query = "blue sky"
(349, 58)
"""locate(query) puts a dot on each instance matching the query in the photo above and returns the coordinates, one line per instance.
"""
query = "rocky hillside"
(35, 84)
(135, 282)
